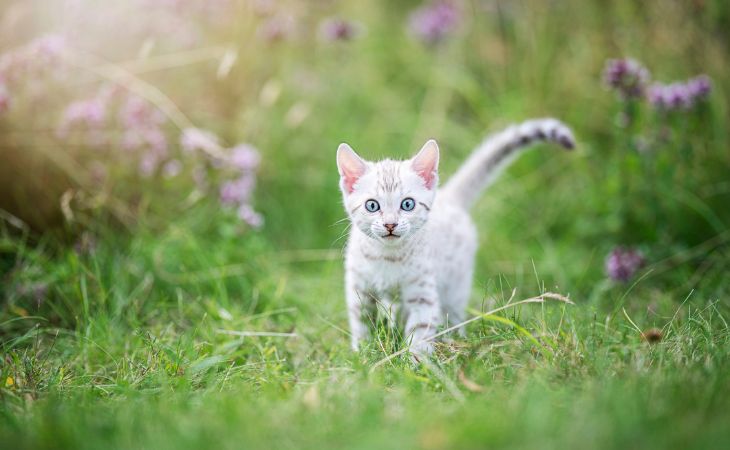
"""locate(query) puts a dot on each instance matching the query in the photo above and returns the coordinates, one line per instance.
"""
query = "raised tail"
(482, 167)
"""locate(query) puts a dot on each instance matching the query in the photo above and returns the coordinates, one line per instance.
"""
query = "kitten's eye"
(372, 205)
(408, 204)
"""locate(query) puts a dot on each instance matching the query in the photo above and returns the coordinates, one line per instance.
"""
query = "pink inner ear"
(429, 176)
(348, 183)
(351, 167)
(426, 163)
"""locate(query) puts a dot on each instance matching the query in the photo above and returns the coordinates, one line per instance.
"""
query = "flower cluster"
(679, 95)
(244, 160)
(623, 263)
(337, 29)
(630, 79)
(433, 22)
(30, 61)
(627, 77)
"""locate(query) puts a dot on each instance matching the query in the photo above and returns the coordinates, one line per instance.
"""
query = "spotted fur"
(424, 263)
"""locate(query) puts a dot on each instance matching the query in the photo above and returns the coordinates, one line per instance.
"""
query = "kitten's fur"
(428, 265)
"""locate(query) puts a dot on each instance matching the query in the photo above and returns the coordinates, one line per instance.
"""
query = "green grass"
(129, 346)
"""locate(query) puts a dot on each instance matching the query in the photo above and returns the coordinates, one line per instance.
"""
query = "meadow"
(171, 226)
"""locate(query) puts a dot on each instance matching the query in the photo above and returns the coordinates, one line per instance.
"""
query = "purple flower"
(251, 217)
(193, 139)
(700, 87)
(4, 98)
(276, 28)
(89, 113)
(237, 191)
(433, 22)
(245, 157)
(137, 113)
(622, 263)
(679, 95)
(48, 48)
(336, 29)
(151, 139)
(627, 77)
(148, 163)
(172, 168)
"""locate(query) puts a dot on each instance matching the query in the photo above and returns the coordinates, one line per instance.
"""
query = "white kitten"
(413, 244)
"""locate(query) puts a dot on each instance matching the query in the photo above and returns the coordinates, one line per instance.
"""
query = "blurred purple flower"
(237, 191)
(38, 56)
(627, 77)
(4, 98)
(148, 164)
(90, 113)
(622, 263)
(251, 217)
(431, 23)
(172, 168)
(245, 157)
(700, 87)
(276, 28)
(146, 140)
(137, 113)
(679, 95)
(193, 139)
(48, 49)
(336, 29)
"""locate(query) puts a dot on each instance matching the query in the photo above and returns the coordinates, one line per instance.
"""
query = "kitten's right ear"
(350, 166)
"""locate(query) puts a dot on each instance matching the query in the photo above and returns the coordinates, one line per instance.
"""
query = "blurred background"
(177, 126)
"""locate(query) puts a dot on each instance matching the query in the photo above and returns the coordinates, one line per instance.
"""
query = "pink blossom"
(138, 113)
(622, 263)
(276, 28)
(193, 139)
(237, 191)
(627, 77)
(679, 95)
(4, 98)
(433, 22)
(172, 168)
(148, 163)
(90, 113)
(150, 139)
(251, 217)
(245, 157)
(336, 29)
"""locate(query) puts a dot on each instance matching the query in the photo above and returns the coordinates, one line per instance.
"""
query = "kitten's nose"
(390, 226)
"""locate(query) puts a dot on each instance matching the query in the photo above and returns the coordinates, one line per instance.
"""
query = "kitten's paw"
(420, 350)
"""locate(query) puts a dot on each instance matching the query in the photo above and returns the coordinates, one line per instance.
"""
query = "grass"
(133, 344)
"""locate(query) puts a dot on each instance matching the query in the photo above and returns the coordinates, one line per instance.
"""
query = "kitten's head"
(388, 200)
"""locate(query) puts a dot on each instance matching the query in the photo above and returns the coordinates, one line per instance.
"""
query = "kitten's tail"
(484, 164)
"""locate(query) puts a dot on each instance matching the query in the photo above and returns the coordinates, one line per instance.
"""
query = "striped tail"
(496, 152)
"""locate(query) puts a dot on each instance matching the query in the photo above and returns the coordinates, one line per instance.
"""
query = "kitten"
(416, 244)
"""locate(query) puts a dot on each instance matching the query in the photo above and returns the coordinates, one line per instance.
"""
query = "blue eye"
(372, 205)
(408, 204)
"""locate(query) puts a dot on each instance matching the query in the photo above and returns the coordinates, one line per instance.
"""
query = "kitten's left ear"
(426, 163)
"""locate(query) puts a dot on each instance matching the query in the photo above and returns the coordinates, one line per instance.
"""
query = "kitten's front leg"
(424, 314)
(358, 302)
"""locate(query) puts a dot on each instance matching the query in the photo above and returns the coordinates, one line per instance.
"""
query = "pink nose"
(390, 226)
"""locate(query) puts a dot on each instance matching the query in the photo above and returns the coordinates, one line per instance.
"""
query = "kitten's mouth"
(390, 236)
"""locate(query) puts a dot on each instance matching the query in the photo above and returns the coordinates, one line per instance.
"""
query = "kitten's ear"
(350, 166)
(426, 163)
